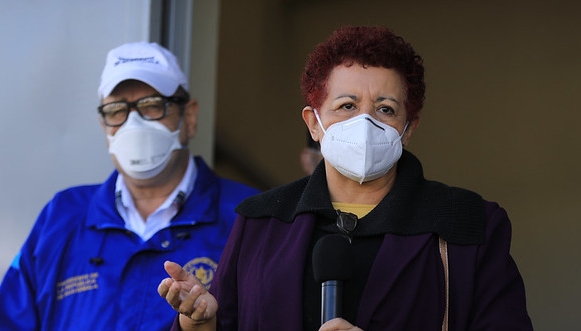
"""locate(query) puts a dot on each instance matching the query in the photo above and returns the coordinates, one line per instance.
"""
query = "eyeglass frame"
(178, 100)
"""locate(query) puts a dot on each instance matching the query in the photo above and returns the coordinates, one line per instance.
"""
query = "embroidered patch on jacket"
(77, 284)
(203, 268)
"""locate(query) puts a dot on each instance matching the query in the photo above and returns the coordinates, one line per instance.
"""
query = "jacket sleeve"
(224, 287)
(18, 289)
(499, 300)
(176, 324)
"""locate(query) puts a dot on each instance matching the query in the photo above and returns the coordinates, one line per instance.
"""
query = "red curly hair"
(367, 46)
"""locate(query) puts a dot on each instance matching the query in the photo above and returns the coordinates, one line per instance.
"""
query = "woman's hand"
(338, 324)
(186, 294)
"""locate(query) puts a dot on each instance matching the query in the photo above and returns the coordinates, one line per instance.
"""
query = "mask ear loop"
(403, 132)
(404, 129)
(319, 120)
(183, 146)
(180, 124)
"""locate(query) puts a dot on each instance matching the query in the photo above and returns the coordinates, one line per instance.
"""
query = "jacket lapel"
(394, 255)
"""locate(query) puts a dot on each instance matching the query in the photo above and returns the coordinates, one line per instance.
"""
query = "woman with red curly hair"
(365, 242)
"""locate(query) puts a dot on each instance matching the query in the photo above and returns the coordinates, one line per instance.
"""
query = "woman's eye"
(348, 106)
(386, 110)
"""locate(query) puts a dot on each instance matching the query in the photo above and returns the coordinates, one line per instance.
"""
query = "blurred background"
(501, 117)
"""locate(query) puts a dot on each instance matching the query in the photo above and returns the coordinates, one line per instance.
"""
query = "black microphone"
(332, 265)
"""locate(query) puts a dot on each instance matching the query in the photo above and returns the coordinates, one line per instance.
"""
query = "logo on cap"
(150, 59)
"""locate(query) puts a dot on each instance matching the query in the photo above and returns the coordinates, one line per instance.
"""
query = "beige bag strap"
(444, 255)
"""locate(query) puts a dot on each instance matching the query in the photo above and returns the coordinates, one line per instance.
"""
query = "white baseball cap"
(143, 61)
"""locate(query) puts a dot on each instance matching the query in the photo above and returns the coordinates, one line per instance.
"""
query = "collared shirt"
(161, 218)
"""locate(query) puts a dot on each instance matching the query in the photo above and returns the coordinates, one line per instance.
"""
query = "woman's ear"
(191, 118)
(312, 124)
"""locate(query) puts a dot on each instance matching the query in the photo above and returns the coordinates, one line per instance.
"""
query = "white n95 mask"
(361, 148)
(143, 148)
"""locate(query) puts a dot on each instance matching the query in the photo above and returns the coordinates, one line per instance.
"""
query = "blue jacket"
(80, 269)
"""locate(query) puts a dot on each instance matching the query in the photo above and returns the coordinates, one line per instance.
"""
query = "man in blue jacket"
(95, 254)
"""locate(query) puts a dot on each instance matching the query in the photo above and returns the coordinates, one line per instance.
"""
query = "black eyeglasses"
(346, 222)
(150, 108)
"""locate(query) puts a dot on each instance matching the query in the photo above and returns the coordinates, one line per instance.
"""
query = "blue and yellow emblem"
(203, 268)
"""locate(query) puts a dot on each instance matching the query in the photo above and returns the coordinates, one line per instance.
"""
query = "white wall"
(51, 57)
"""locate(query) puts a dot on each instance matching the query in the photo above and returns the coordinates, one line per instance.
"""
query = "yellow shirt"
(355, 208)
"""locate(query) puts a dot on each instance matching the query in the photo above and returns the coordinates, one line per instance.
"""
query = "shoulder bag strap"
(444, 255)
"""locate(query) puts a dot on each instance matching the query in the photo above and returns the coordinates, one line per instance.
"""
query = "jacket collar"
(413, 206)
(102, 211)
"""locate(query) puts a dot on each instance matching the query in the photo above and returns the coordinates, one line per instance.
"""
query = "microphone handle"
(331, 300)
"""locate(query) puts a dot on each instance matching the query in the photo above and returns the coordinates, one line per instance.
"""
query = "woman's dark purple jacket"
(259, 282)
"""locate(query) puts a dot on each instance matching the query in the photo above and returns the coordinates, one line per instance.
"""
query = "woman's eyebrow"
(379, 99)
(350, 96)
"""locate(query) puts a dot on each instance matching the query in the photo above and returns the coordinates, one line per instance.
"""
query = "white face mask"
(361, 148)
(143, 148)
